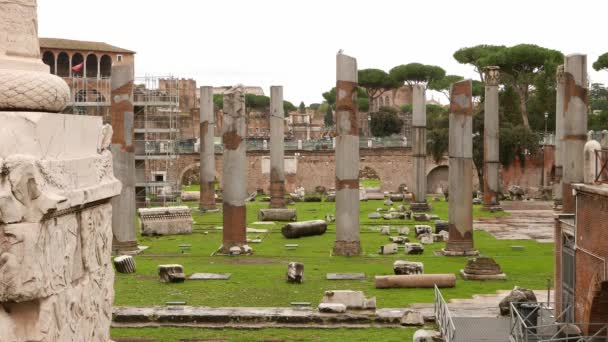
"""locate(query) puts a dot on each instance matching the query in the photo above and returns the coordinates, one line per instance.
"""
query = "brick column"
(575, 126)
(277, 148)
(419, 149)
(234, 179)
(491, 163)
(207, 151)
(461, 171)
(347, 158)
(121, 113)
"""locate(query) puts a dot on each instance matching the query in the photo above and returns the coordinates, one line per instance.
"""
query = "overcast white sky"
(293, 43)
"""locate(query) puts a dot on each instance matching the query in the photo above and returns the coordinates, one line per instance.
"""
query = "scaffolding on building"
(89, 96)
(156, 108)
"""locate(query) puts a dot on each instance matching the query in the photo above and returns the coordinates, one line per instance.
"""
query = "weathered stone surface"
(388, 202)
(305, 228)
(332, 307)
(277, 214)
(414, 248)
(441, 226)
(421, 229)
(439, 237)
(345, 276)
(277, 149)
(516, 192)
(445, 235)
(351, 299)
(385, 230)
(390, 248)
(295, 272)
(165, 220)
(408, 267)
(426, 239)
(421, 217)
(373, 215)
(412, 318)
(124, 264)
(210, 276)
(171, 273)
(482, 266)
(427, 336)
(395, 197)
(403, 231)
(190, 195)
(398, 239)
(415, 281)
(55, 223)
(518, 295)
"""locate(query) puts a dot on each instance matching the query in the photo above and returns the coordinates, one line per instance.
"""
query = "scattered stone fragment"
(408, 197)
(408, 214)
(171, 273)
(438, 237)
(330, 218)
(295, 272)
(405, 281)
(305, 228)
(421, 217)
(277, 214)
(385, 230)
(482, 268)
(445, 235)
(345, 276)
(412, 318)
(258, 240)
(380, 209)
(408, 267)
(388, 202)
(399, 239)
(373, 215)
(390, 248)
(351, 299)
(420, 229)
(395, 197)
(235, 250)
(165, 220)
(332, 307)
(518, 295)
(477, 200)
(330, 197)
(245, 249)
(426, 239)
(403, 231)
(433, 217)
(401, 208)
(441, 226)
(516, 192)
(124, 264)
(299, 304)
(427, 336)
(391, 210)
(210, 276)
(412, 248)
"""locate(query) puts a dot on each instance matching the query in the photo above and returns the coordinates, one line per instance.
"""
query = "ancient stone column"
(235, 169)
(575, 126)
(419, 202)
(491, 163)
(559, 135)
(121, 112)
(347, 158)
(207, 151)
(461, 171)
(56, 182)
(277, 148)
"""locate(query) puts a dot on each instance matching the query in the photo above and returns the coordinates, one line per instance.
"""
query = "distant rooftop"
(70, 44)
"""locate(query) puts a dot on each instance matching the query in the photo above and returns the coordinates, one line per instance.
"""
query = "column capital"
(492, 75)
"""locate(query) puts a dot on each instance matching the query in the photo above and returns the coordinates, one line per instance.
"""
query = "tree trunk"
(523, 99)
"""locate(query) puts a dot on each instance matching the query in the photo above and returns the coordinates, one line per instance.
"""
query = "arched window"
(105, 66)
(63, 65)
(91, 66)
(48, 58)
(77, 59)
(387, 101)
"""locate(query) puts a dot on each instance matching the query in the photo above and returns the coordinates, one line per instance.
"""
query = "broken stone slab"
(255, 230)
(385, 230)
(257, 240)
(330, 218)
(415, 281)
(374, 195)
(345, 276)
(171, 273)
(190, 195)
(124, 264)
(332, 308)
(332, 198)
(210, 276)
(408, 197)
(433, 217)
(408, 267)
(398, 239)
(422, 217)
(277, 214)
(165, 220)
(517, 295)
(401, 208)
(477, 200)
(380, 209)
(305, 228)
(438, 237)
(395, 197)
(426, 239)
(373, 215)
(421, 229)
(445, 235)
(388, 202)
(412, 318)
(390, 248)
(408, 214)
(351, 299)
(441, 226)
(295, 272)
(413, 248)
(427, 336)
(403, 231)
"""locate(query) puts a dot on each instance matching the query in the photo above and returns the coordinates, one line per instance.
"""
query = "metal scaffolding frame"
(89, 96)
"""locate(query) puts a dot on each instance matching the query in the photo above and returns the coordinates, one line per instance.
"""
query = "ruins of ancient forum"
(406, 205)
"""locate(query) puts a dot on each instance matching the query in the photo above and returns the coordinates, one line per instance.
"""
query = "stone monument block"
(165, 220)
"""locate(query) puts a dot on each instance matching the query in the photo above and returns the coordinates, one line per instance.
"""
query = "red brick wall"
(530, 174)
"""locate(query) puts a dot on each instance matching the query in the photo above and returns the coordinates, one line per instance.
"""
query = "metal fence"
(538, 322)
(443, 318)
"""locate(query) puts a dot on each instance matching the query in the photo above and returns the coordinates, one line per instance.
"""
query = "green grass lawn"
(268, 335)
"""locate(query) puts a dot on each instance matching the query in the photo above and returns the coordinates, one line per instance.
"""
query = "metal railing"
(443, 318)
(537, 322)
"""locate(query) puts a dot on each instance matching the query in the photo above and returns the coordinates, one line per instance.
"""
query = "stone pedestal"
(482, 269)
(461, 171)
(419, 202)
(235, 169)
(56, 276)
(491, 162)
(574, 126)
(207, 151)
(277, 148)
(347, 159)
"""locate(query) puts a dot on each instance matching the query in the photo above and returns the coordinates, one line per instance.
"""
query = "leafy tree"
(330, 96)
(385, 122)
(443, 84)
(259, 102)
(601, 63)
(362, 104)
(598, 104)
(314, 106)
(375, 82)
(218, 101)
(288, 106)
(302, 107)
(407, 108)
(329, 117)
(416, 73)
(475, 56)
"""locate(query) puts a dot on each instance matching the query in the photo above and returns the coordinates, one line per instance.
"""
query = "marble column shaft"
(277, 148)
(491, 160)
(122, 116)
(460, 170)
(559, 134)
(419, 148)
(234, 184)
(574, 126)
(207, 150)
(347, 158)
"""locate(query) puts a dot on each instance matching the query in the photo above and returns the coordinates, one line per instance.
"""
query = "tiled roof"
(69, 44)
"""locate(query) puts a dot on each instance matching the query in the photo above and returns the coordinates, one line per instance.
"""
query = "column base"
(420, 207)
(127, 248)
(347, 248)
(231, 249)
(446, 252)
